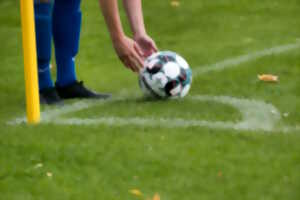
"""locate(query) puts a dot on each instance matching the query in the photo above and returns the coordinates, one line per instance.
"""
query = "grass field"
(184, 149)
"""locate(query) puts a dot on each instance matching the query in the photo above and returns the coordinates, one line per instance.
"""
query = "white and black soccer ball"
(165, 75)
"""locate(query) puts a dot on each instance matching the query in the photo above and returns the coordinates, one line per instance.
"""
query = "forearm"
(134, 13)
(111, 15)
(130, 51)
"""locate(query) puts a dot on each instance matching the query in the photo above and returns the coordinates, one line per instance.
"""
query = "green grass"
(104, 162)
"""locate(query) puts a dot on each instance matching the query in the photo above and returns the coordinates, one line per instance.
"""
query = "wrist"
(117, 36)
(139, 34)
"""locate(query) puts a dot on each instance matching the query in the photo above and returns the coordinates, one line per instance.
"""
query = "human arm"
(127, 49)
(134, 13)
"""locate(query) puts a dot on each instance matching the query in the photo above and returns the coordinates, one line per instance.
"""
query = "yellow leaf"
(49, 174)
(220, 174)
(175, 3)
(136, 192)
(39, 165)
(156, 197)
(268, 78)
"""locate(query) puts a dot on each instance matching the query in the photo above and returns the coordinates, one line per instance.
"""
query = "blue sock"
(66, 34)
(43, 24)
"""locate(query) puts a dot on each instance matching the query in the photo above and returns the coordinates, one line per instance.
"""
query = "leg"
(66, 33)
(43, 24)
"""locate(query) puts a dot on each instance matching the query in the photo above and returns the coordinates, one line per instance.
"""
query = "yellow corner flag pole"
(30, 62)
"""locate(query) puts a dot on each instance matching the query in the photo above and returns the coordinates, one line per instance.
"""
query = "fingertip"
(154, 47)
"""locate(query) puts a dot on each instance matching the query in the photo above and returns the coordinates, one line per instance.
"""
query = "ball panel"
(167, 56)
(185, 90)
(171, 70)
(147, 89)
(182, 62)
(188, 78)
(170, 86)
(153, 56)
(176, 90)
(143, 87)
(160, 79)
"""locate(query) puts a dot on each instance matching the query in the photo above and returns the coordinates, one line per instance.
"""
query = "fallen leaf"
(39, 165)
(220, 174)
(156, 197)
(49, 174)
(268, 78)
(175, 3)
(136, 192)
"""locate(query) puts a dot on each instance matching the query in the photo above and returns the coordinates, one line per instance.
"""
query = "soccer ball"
(165, 75)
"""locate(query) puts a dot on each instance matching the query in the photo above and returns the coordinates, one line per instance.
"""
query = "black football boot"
(78, 90)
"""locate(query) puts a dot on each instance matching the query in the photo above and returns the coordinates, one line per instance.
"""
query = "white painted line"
(289, 129)
(54, 112)
(234, 62)
(257, 115)
(145, 122)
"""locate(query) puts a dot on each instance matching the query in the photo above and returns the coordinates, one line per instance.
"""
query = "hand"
(129, 53)
(146, 44)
